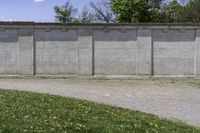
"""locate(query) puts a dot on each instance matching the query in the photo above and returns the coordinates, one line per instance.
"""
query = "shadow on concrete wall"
(55, 35)
(174, 35)
(115, 35)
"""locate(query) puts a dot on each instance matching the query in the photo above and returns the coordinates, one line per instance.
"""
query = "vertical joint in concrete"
(85, 56)
(25, 52)
(144, 52)
(197, 53)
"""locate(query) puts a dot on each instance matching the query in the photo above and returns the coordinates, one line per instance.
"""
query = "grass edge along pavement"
(33, 112)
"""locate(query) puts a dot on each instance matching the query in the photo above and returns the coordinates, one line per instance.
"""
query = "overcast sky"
(34, 10)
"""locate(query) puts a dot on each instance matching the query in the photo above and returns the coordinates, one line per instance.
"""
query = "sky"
(34, 10)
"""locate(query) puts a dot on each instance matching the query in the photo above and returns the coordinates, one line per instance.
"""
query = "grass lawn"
(193, 83)
(188, 82)
(31, 112)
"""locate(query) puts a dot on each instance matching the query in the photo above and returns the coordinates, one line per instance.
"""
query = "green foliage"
(66, 13)
(157, 13)
(147, 11)
(132, 11)
(155, 4)
(129, 11)
(192, 11)
(173, 12)
(30, 112)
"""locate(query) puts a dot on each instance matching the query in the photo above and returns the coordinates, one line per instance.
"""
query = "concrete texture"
(9, 51)
(163, 98)
(85, 52)
(144, 52)
(197, 52)
(56, 52)
(16, 52)
(115, 52)
(174, 52)
(26, 52)
(99, 49)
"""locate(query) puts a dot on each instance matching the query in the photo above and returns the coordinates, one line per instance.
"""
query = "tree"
(157, 13)
(173, 12)
(192, 11)
(129, 11)
(102, 12)
(155, 4)
(86, 16)
(66, 13)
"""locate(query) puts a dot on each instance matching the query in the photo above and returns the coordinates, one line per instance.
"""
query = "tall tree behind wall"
(173, 12)
(192, 11)
(132, 11)
(66, 13)
(102, 11)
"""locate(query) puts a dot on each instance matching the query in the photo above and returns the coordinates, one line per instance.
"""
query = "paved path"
(163, 99)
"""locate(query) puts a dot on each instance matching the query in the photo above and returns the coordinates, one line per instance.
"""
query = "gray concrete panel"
(25, 52)
(144, 52)
(99, 49)
(8, 51)
(197, 44)
(56, 52)
(174, 52)
(85, 59)
(115, 52)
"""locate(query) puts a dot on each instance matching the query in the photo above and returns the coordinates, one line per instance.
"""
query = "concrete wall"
(115, 52)
(56, 52)
(174, 52)
(99, 49)
(16, 51)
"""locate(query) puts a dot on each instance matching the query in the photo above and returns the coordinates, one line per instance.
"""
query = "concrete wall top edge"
(91, 24)
(40, 25)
